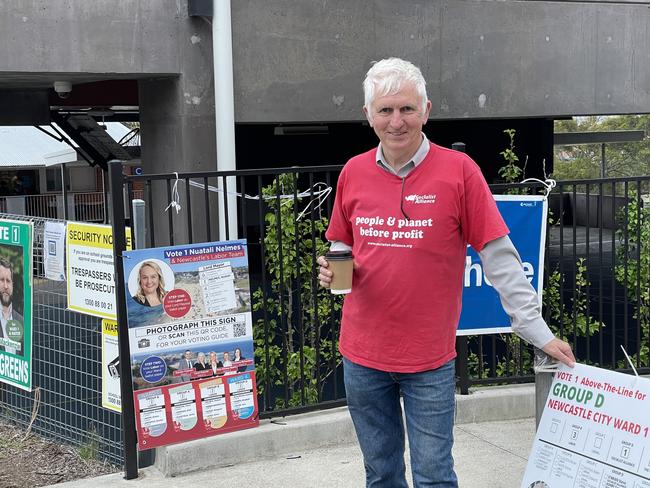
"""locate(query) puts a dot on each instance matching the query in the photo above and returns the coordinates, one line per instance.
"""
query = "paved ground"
(487, 454)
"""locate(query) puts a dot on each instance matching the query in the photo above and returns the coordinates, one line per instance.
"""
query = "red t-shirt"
(405, 303)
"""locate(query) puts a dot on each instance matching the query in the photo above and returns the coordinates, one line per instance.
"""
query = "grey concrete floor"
(487, 455)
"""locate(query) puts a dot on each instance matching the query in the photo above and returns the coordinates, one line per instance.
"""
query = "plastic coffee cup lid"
(338, 255)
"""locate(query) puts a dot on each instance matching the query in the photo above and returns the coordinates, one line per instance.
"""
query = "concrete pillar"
(178, 132)
(60, 214)
(72, 211)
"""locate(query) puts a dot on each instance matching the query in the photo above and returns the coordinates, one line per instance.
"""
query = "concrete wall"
(304, 61)
(298, 60)
(98, 36)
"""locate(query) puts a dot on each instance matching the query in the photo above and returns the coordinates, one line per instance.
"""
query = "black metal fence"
(66, 402)
(282, 213)
(596, 275)
(596, 282)
(597, 286)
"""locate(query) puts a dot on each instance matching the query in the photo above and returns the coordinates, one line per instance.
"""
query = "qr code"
(239, 329)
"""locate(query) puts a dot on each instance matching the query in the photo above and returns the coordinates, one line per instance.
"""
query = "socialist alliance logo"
(414, 198)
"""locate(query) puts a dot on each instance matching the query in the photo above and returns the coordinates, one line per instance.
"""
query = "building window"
(21, 182)
(53, 179)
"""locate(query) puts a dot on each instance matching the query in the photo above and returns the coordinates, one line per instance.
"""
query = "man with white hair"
(407, 210)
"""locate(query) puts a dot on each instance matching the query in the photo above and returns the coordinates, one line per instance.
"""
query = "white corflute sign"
(594, 432)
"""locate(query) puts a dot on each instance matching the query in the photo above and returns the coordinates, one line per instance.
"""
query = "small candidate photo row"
(180, 366)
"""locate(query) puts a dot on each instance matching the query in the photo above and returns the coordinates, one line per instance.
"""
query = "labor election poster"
(191, 341)
(594, 432)
(525, 216)
(89, 268)
(111, 390)
(16, 320)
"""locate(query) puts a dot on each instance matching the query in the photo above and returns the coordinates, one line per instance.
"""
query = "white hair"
(388, 76)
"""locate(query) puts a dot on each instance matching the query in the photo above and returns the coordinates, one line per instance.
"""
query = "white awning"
(26, 146)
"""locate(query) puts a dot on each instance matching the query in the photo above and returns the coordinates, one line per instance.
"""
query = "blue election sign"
(482, 312)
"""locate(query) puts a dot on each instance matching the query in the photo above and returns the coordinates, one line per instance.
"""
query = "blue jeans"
(374, 403)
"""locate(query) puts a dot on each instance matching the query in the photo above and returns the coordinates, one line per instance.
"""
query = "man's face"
(188, 355)
(6, 286)
(397, 121)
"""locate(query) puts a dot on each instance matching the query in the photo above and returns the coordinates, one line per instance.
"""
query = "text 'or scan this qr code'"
(239, 329)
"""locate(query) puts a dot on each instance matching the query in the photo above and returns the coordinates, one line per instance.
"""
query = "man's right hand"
(324, 274)
(560, 350)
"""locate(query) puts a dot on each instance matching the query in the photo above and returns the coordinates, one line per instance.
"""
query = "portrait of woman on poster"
(215, 364)
(226, 360)
(238, 357)
(200, 364)
(151, 285)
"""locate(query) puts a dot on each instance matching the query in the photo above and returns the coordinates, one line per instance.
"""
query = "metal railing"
(82, 206)
(596, 278)
(594, 283)
(295, 322)
(40, 205)
(88, 207)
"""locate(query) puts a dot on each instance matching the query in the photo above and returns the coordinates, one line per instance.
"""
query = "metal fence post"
(119, 246)
(542, 388)
(462, 348)
(138, 224)
(64, 190)
(139, 239)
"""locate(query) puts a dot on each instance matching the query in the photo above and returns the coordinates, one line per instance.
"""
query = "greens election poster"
(191, 341)
(594, 432)
(16, 240)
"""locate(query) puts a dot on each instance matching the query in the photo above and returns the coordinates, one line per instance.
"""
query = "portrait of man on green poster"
(16, 303)
(12, 303)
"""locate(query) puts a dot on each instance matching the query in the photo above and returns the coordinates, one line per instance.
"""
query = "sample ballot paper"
(593, 432)
(218, 284)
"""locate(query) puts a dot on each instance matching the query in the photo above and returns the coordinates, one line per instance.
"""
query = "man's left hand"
(560, 350)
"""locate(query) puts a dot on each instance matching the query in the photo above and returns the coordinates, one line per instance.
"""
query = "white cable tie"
(175, 197)
(321, 193)
(551, 367)
(629, 361)
(214, 189)
(320, 197)
(543, 363)
(548, 183)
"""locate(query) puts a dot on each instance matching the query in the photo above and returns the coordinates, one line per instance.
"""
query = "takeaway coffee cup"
(340, 264)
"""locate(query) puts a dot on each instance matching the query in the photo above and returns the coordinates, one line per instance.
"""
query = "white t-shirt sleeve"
(502, 266)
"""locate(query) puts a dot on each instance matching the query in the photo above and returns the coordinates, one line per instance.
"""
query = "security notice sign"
(89, 268)
(191, 341)
(16, 240)
(525, 216)
(594, 432)
(111, 391)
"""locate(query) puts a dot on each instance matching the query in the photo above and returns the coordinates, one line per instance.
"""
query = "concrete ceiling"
(30, 81)
(32, 95)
